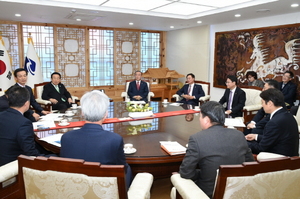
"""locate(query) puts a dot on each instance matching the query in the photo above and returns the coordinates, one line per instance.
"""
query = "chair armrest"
(267, 155)
(187, 188)
(140, 186)
(41, 101)
(252, 107)
(124, 94)
(204, 98)
(151, 94)
(177, 97)
(8, 171)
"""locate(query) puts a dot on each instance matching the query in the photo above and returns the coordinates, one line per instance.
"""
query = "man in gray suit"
(212, 147)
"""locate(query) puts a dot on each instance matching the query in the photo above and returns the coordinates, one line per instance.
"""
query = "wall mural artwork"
(268, 51)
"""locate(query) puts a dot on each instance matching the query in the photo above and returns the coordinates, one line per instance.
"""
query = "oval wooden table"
(145, 135)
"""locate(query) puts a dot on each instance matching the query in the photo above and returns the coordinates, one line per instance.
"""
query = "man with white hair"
(92, 143)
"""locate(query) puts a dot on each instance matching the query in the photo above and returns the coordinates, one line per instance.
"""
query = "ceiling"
(144, 14)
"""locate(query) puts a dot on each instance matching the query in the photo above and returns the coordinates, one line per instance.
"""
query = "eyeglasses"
(228, 82)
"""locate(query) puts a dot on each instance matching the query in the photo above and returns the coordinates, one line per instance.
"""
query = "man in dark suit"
(257, 125)
(57, 93)
(280, 134)
(92, 142)
(16, 135)
(21, 79)
(212, 147)
(138, 90)
(288, 88)
(190, 92)
(234, 97)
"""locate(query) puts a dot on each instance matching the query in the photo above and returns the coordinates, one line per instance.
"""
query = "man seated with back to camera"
(256, 126)
(234, 97)
(16, 135)
(190, 92)
(280, 134)
(92, 143)
(57, 93)
(213, 146)
(138, 90)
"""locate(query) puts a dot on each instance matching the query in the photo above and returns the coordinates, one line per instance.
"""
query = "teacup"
(74, 105)
(197, 107)
(63, 121)
(69, 112)
(128, 146)
(165, 100)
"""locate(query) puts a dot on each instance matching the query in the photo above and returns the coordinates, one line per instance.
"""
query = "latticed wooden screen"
(71, 55)
(127, 55)
(9, 33)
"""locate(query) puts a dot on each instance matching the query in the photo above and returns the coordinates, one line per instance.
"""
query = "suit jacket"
(280, 135)
(16, 136)
(210, 148)
(33, 103)
(94, 144)
(197, 92)
(50, 91)
(257, 83)
(239, 99)
(143, 91)
(290, 92)
(4, 105)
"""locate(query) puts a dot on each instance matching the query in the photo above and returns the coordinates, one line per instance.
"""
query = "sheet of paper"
(43, 124)
(175, 104)
(234, 122)
(53, 139)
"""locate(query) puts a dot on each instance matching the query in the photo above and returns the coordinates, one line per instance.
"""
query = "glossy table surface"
(145, 135)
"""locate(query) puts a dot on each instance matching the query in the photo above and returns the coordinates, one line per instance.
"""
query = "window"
(42, 37)
(150, 50)
(101, 57)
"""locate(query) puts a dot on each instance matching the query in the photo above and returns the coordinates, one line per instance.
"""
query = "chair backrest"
(205, 86)
(127, 86)
(56, 177)
(38, 90)
(252, 95)
(258, 178)
(2, 93)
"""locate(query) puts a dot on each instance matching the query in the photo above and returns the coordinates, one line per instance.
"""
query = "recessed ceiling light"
(18, 15)
(237, 15)
(78, 19)
(199, 21)
(171, 26)
(131, 23)
(294, 5)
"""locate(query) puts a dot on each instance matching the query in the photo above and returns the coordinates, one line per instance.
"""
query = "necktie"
(138, 85)
(189, 90)
(56, 87)
(229, 101)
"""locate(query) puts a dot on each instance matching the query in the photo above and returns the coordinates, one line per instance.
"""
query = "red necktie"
(138, 85)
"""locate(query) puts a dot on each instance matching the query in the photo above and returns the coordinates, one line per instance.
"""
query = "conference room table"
(173, 123)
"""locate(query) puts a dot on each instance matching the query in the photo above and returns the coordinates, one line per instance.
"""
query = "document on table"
(175, 104)
(172, 148)
(53, 139)
(43, 125)
(234, 122)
